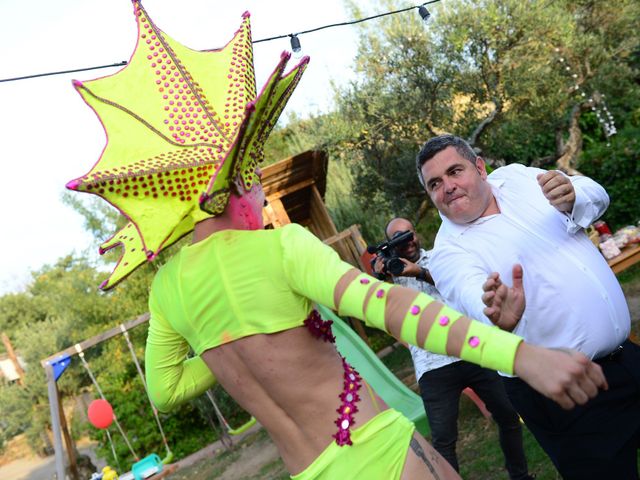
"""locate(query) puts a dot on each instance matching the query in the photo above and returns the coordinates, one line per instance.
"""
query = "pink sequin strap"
(349, 397)
(321, 329)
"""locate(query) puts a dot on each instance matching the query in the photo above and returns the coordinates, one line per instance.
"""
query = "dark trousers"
(441, 389)
(598, 440)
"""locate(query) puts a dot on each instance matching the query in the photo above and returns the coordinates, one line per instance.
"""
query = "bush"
(617, 168)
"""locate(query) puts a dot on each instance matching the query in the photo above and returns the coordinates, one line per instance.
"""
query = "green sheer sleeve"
(316, 271)
(172, 378)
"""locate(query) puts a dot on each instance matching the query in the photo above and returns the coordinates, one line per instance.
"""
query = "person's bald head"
(411, 250)
(398, 224)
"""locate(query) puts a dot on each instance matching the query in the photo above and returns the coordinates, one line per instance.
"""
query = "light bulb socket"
(424, 13)
(295, 44)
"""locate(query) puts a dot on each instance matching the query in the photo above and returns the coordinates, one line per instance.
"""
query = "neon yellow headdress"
(181, 126)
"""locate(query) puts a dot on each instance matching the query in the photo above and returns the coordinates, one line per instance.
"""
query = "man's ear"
(481, 167)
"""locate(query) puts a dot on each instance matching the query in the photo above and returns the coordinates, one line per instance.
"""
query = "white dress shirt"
(423, 361)
(573, 299)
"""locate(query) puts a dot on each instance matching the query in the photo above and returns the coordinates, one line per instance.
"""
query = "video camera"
(388, 252)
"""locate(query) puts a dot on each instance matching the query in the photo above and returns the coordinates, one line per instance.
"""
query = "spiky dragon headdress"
(181, 126)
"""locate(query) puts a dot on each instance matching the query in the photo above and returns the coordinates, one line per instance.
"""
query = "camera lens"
(395, 266)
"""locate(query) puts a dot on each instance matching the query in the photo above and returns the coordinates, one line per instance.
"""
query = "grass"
(223, 463)
(630, 277)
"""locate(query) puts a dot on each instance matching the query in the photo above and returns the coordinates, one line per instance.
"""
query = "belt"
(613, 355)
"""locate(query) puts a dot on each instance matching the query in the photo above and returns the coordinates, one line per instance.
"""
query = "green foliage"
(618, 168)
(18, 309)
(62, 306)
(100, 218)
(489, 70)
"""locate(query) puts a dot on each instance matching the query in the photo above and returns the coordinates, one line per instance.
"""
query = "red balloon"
(100, 413)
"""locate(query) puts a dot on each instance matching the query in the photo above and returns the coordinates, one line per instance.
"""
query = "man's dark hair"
(436, 144)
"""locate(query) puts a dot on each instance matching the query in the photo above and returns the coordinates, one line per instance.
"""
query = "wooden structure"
(11, 366)
(295, 189)
(628, 256)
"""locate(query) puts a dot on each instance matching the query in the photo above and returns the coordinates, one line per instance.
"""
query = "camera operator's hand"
(411, 269)
(414, 270)
(378, 266)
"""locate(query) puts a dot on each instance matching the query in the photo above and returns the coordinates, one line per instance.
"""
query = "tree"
(63, 306)
(492, 71)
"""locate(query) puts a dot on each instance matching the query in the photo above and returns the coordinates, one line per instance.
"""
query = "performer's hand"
(558, 189)
(504, 305)
(565, 376)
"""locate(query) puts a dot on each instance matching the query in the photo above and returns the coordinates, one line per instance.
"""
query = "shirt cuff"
(583, 213)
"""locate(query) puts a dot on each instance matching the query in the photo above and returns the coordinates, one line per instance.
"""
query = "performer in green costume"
(186, 131)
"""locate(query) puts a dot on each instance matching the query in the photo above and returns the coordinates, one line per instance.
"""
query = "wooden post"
(55, 421)
(13, 358)
(71, 448)
(95, 340)
(276, 213)
(57, 415)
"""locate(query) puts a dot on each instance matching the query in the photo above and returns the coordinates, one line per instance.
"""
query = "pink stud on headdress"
(73, 184)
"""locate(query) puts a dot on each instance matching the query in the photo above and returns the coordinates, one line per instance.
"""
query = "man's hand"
(565, 376)
(558, 189)
(378, 266)
(410, 269)
(504, 305)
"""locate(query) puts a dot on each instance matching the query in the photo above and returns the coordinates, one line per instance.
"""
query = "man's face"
(411, 249)
(457, 187)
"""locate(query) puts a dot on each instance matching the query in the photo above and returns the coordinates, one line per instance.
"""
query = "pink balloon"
(100, 413)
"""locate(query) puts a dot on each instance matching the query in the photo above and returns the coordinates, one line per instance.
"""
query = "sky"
(48, 136)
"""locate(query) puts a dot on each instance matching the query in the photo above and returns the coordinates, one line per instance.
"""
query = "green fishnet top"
(237, 283)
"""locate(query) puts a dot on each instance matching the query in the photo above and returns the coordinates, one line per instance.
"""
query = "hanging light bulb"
(295, 46)
(424, 13)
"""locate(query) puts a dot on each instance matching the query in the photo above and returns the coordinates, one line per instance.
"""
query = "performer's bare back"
(291, 382)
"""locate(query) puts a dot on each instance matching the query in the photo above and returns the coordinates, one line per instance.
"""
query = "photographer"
(442, 378)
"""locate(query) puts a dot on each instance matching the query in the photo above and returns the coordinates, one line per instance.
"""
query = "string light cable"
(596, 102)
(295, 41)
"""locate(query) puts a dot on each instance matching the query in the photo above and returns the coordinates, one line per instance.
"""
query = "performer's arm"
(418, 319)
(172, 378)
(316, 271)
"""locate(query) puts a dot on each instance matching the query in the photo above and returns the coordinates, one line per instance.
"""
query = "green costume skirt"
(379, 451)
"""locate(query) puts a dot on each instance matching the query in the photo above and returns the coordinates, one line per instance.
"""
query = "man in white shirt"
(443, 378)
(523, 227)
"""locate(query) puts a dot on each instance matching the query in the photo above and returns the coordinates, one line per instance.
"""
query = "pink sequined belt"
(321, 329)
